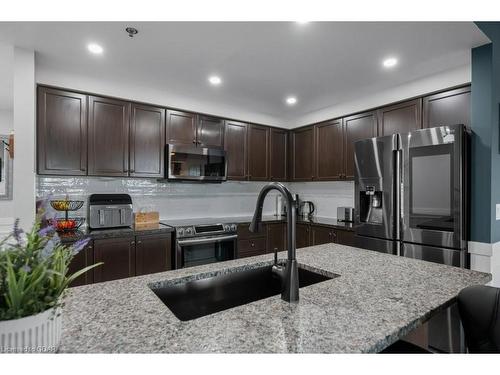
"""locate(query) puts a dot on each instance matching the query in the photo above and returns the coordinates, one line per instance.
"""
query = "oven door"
(434, 186)
(204, 250)
(195, 163)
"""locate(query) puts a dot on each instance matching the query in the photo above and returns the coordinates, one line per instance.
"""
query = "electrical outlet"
(497, 211)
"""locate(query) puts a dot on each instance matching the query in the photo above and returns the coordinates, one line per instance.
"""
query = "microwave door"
(433, 187)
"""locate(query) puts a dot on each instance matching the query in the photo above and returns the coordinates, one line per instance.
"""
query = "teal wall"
(485, 123)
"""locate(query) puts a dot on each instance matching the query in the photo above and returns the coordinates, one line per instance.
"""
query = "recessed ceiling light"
(214, 80)
(95, 48)
(291, 100)
(390, 62)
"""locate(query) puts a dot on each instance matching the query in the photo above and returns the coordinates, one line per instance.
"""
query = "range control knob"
(233, 227)
(226, 228)
(180, 232)
(189, 231)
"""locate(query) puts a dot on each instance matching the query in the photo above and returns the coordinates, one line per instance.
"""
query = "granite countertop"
(115, 232)
(377, 299)
(329, 221)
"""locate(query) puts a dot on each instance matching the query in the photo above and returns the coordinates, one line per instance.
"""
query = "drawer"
(251, 247)
(244, 233)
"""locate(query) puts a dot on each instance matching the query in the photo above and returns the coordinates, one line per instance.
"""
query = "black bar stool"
(479, 308)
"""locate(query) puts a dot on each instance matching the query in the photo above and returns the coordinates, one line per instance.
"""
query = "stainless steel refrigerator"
(411, 200)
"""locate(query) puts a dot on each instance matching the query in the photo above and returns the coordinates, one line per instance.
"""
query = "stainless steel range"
(203, 241)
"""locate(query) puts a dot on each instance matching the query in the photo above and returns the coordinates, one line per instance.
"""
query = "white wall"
(6, 121)
(411, 89)
(166, 97)
(24, 132)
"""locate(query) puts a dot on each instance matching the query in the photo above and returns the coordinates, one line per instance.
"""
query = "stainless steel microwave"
(191, 163)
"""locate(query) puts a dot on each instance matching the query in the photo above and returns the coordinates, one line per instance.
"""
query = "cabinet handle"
(194, 141)
(132, 242)
(252, 244)
(139, 242)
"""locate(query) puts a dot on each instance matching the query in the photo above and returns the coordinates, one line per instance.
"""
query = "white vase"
(38, 333)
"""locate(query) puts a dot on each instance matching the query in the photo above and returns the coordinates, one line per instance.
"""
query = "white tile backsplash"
(326, 196)
(187, 200)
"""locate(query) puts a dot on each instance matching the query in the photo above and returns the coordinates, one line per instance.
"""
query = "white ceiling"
(260, 63)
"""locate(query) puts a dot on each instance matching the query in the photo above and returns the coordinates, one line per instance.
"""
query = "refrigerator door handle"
(398, 192)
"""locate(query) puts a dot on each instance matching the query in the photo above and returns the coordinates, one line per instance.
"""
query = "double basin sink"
(193, 299)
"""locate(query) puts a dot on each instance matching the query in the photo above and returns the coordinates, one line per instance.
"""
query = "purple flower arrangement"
(34, 268)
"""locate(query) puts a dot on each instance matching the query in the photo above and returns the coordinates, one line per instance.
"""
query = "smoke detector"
(131, 31)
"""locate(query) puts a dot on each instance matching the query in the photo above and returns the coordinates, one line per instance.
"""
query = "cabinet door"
(321, 235)
(302, 238)
(400, 118)
(147, 141)
(61, 132)
(329, 150)
(357, 127)
(153, 253)
(235, 144)
(118, 255)
(278, 155)
(210, 132)
(181, 128)
(81, 260)
(303, 154)
(108, 137)
(448, 108)
(252, 247)
(276, 237)
(258, 153)
(344, 237)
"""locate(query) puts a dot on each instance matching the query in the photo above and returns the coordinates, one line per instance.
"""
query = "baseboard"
(485, 257)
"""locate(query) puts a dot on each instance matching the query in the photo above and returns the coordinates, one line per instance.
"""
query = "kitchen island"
(377, 299)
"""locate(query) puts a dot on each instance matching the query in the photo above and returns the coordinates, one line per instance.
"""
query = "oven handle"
(200, 241)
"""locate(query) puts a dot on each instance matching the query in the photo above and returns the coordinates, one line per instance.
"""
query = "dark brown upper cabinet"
(147, 141)
(448, 108)
(181, 128)
(303, 154)
(210, 132)
(153, 253)
(235, 144)
(258, 153)
(400, 118)
(278, 155)
(329, 150)
(61, 132)
(108, 137)
(357, 127)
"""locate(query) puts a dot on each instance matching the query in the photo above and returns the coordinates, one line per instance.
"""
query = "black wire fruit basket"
(67, 224)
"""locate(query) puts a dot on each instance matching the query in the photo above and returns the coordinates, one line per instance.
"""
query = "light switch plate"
(497, 211)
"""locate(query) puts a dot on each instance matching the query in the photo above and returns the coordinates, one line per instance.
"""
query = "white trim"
(480, 248)
(485, 257)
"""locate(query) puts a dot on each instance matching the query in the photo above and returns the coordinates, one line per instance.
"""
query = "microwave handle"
(201, 241)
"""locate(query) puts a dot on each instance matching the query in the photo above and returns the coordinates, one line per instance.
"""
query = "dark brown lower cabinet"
(153, 254)
(321, 235)
(345, 237)
(302, 236)
(252, 247)
(276, 237)
(118, 256)
(81, 260)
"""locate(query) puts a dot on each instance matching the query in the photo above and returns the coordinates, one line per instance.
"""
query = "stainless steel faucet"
(290, 273)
